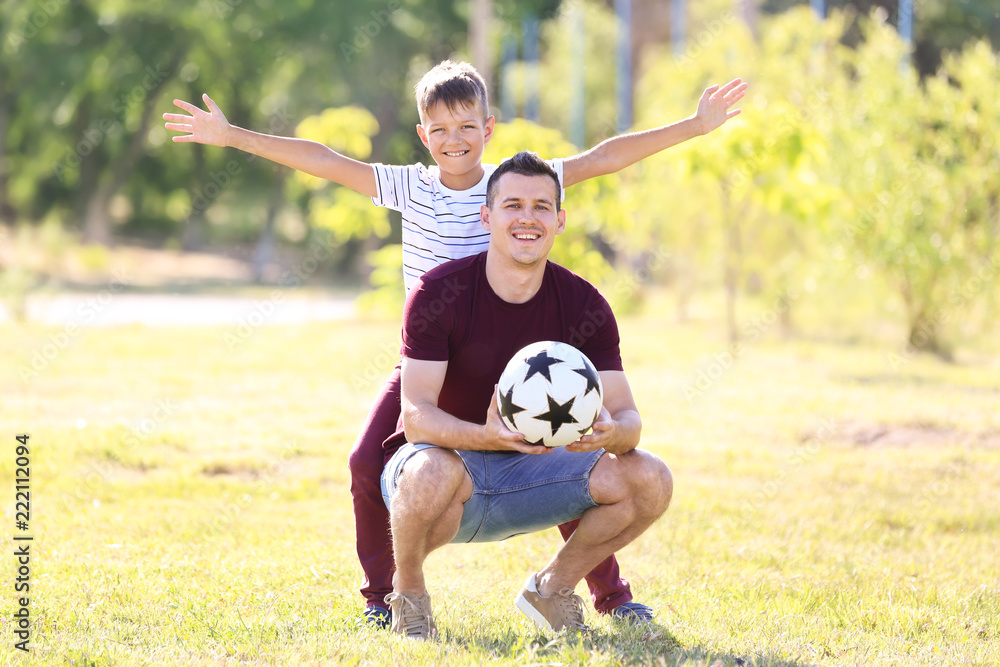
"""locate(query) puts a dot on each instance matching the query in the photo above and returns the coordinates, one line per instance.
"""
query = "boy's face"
(523, 221)
(456, 139)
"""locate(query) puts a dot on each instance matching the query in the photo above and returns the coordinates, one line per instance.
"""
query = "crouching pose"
(455, 472)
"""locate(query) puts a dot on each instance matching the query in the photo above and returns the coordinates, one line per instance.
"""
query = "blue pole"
(819, 6)
(623, 65)
(578, 87)
(678, 27)
(530, 57)
(508, 91)
(906, 21)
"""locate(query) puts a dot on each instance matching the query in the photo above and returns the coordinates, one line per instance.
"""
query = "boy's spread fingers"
(187, 106)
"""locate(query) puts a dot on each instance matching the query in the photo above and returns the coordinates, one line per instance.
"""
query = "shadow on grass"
(625, 645)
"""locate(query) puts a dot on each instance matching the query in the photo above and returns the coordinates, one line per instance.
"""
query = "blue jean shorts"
(513, 493)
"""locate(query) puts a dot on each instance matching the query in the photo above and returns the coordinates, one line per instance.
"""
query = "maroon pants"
(371, 518)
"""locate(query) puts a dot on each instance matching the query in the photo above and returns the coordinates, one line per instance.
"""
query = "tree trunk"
(193, 234)
(925, 335)
(264, 252)
(685, 287)
(7, 213)
(96, 226)
(733, 259)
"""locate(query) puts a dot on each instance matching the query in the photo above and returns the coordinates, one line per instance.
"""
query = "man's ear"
(561, 221)
(423, 136)
(484, 217)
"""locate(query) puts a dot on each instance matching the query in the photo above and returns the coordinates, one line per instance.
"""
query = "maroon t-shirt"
(452, 314)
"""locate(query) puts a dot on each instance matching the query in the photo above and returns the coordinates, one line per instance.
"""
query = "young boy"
(441, 212)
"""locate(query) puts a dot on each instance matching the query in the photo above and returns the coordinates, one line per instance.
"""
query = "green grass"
(191, 505)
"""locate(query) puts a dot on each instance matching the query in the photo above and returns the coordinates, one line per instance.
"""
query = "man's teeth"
(526, 237)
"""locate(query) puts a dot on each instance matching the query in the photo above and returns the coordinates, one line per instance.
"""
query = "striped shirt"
(439, 224)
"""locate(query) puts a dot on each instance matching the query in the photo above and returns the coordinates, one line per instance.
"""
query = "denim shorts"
(513, 493)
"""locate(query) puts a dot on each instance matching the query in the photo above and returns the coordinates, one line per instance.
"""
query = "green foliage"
(921, 204)
(345, 213)
(386, 280)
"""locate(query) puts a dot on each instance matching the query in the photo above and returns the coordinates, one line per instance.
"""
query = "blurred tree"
(920, 175)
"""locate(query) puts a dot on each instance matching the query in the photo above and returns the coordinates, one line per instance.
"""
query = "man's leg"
(371, 518)
(426, 501)
(426, 512)
(608, 590)
(631, 491)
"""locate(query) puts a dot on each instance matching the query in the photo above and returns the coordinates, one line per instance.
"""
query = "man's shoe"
(562, 610)
(412, 617)
(380, 617)
(633, 612)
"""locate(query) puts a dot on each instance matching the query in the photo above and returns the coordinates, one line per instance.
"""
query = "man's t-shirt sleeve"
(426, 323)
(596, 335)
(391, 183)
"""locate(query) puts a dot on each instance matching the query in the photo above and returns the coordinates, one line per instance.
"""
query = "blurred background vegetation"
(864, 170)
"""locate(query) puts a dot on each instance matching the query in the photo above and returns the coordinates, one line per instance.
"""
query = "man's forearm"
(628, 427)
(428, 424)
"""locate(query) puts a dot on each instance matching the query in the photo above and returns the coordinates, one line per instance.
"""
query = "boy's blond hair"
(457, 85)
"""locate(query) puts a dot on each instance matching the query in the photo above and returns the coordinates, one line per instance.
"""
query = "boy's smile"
(456, 139)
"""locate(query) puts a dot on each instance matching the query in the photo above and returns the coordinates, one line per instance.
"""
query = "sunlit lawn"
(191, 505)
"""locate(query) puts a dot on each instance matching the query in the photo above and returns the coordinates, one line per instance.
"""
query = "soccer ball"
(551, 393)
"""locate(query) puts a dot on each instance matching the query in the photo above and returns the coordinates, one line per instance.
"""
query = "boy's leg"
(371, 518)
(607, 588)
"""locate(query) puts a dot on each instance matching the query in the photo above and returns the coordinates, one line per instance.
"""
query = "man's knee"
(656, 482)
(432, 473)
(637, 474)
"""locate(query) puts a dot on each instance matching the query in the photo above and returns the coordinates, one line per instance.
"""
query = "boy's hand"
(713, 107)
(209, 127)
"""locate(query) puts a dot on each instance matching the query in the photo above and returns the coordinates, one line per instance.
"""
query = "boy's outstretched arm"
(212, 128)
(619, 152)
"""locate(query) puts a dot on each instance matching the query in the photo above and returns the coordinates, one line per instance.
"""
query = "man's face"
(523, 221)
(455, 138)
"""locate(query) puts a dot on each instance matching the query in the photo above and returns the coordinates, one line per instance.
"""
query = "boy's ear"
(488, 129)
(423, 135)
(484, 217)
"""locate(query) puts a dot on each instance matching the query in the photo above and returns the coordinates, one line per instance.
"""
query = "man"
(466, 476)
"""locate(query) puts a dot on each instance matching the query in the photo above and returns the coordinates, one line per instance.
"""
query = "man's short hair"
(524, 163)
(457, 85)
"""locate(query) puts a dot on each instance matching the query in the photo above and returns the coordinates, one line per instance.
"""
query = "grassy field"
(835, 504)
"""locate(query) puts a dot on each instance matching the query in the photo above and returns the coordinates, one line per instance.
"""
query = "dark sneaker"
(562, 610)
(380, 617)
(412, 617)
(633, 612)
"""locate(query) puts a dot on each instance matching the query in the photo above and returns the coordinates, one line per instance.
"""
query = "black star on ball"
(540, 364)
(541, 441)
(591, 376)
(507, 406)
(558, 414)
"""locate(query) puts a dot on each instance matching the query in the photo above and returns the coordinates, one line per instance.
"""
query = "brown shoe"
(412, 617)
(562, 610)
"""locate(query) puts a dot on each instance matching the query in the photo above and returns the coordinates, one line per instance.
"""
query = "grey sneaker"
(633, 612)
(562, 610)
(412, 617)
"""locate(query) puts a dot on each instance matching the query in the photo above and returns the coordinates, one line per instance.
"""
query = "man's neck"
(513, 282)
